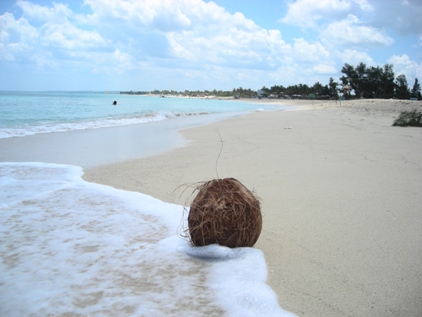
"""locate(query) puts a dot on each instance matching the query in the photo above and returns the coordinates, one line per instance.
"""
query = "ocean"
(29, 113)
(74, 248)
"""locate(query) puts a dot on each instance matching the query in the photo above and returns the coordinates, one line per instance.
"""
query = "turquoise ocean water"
(28, 113)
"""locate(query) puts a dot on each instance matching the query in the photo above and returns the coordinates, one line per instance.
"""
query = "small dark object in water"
(114, 102)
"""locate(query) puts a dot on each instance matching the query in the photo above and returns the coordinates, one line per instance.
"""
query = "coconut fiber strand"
(224, 212)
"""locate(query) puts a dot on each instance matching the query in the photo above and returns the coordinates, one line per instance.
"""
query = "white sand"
(341, 193)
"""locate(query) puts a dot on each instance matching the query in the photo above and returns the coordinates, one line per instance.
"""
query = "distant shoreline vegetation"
(357, 82)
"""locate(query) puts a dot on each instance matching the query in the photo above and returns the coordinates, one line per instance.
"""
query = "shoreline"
(339, 189)
(92, 148)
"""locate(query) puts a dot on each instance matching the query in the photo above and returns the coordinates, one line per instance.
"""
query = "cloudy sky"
(199, 44)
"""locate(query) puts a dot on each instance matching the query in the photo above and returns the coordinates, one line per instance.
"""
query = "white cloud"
(233, 47)
(404, 65)
(354, 57)
(199, 41)
(185, 35)
(37, 12)
(58, 26)
(292, 74)
(195, 31)
(69, 37)
(162, 15)
(123, 61)
(40, 31)
(324, 69)
(377, 19)
(12, 30)
(15, 36)
(402, 61)
(350, 32)
(307, 13)
(307, 52)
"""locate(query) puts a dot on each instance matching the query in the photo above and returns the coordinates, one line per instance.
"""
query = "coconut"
(224, 212)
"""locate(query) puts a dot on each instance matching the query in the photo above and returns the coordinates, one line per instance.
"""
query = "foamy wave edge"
(86, 125)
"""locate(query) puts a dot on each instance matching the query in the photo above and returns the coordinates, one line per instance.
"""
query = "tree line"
(357, 82)
(378, 82)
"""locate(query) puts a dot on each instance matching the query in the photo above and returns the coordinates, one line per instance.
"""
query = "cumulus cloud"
(161, 15)
(41, 13)
(197, 32)
(16, 36)
(354, 57)
(309, 52)
(70, 37)
(404, 65)
(198, 39)
(401, 16)
(16, 30)
(324, 69)
(308, 13)
(350, 32)
(40, 31)
(232, 47)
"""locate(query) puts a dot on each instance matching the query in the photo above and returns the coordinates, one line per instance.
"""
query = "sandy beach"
(341, 199)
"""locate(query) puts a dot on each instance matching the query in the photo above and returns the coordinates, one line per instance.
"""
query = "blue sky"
(196, 45)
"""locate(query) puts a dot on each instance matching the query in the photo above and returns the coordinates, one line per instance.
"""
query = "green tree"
(277, 90)
(351, 78)
(317, 89)
(387, 82)
(402, 89)
(264, 92)
(325, 93)
(378, 82)
(416, 90)
(332, 86)
(298, 90)
(361, 81)
(369, 82)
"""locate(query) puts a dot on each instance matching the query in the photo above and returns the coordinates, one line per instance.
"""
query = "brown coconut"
(224, 212)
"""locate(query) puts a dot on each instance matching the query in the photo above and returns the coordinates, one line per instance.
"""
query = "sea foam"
(79, 248)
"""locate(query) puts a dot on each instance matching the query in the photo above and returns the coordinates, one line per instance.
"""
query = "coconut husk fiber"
(224, 212)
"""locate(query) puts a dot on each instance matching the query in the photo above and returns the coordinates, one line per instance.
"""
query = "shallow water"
(79, 248)
(29, 113)
(85, 129)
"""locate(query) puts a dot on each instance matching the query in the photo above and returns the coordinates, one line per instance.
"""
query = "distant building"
(261, 94)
